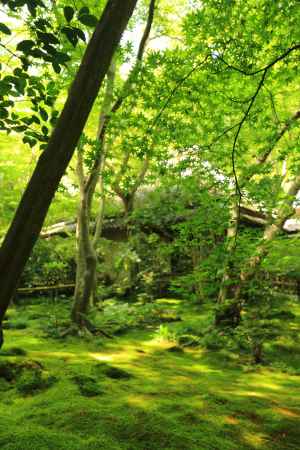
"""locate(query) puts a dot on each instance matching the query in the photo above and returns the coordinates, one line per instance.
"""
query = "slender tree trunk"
(228, 274)
(229, 281)
(86, 256)
(33, 207)
(86, 249)
(285, 210)
(85, 291)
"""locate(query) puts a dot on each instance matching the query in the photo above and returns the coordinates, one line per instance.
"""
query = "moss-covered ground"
(185, 400)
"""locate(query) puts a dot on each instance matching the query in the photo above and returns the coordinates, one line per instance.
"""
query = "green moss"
(111, 372)
(192, 400)
(88, 386)
(13, 351)
(15, 325)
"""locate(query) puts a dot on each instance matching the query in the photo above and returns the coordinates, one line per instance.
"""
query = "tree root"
(84, 329)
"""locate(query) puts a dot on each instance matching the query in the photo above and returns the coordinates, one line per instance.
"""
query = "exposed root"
(84, 329)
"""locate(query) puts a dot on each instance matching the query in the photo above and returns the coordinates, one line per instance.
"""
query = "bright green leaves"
(46, 44)
(32, 5)
(4, 29)
(83, 11)
(74, 33)
(3, 113)
(45, 47)
(4, 88)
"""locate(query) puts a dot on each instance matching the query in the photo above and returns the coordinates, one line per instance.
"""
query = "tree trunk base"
(228, 314)
(84, 328)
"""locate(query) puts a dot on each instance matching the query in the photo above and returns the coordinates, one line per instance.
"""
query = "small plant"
(165, 334)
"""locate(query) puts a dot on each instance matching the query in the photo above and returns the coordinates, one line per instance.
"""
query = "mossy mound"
(14, 325)
(27, 376)
(7, 370)
(175, 349)
(13, 351)
(88, 386)
(189, 340)
(31, 382)
(111, 372)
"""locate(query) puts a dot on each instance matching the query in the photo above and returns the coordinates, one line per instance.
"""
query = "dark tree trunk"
(53, 162)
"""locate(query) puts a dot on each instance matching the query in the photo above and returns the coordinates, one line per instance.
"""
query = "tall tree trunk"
(33, 207)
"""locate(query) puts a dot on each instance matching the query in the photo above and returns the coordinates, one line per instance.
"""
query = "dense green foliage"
(185, 193)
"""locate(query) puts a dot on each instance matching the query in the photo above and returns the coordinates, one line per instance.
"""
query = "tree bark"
(86, 274)
(86, 248)
(228, 273)
(86, 255)
(33, 207)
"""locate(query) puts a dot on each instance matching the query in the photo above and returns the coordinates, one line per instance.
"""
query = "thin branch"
(268, 66)
(9, 51)
(143, 43)
(173, 92)
(227, 130)
(260, 84)
(236, 181)
(261, 159)
(147, 31)
(273, 106)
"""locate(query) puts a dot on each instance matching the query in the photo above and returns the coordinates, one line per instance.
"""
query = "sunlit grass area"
(133, 392)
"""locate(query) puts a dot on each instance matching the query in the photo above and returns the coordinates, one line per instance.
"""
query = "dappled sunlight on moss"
(140, 401)
(230, 420)
(287, 412)
(266, 385)
(168, 301)
(187, 400)
(256, 440)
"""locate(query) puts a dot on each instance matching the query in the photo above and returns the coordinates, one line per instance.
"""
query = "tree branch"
(268, 66)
